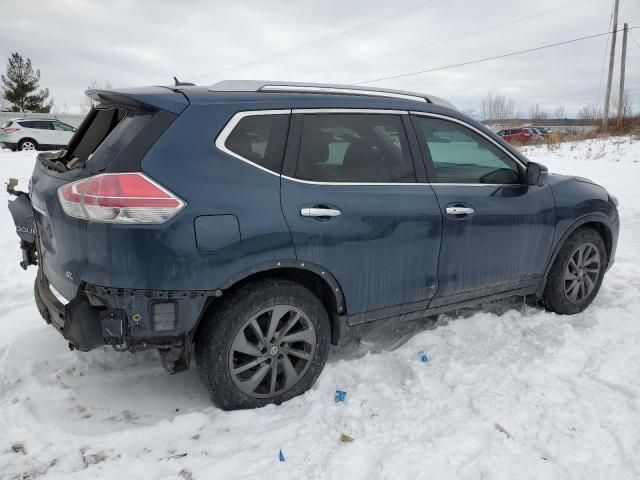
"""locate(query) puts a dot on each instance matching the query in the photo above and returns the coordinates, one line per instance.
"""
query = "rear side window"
(359, 148)
(42, 125)
(260, 139)
(7, 124)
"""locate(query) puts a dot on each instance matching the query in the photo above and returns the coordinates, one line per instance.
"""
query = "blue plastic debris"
(423, 357)
(340, 396)
(281, 456)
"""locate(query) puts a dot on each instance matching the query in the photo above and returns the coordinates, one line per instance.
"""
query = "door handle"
(319, 212)
(459, 210)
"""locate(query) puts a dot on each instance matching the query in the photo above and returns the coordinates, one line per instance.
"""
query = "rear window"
(98, 125)
(115, 138)
(126, 130)
(260, 139)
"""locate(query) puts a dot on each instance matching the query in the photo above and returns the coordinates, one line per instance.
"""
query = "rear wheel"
(267, 343)
(27, 144)
(576, 275)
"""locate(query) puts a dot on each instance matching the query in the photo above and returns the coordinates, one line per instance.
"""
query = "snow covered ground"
(503, 395)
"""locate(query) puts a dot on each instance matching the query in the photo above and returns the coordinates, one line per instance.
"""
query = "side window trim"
(221, 139)
(429, 163)
(295, 134)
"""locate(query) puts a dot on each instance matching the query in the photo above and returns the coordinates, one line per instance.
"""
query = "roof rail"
(299, 87)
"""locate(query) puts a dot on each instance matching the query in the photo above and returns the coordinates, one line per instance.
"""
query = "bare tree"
(590, 113)
(87, 103)
(627, 106)
(559, 112)
(60, 109)
(537, 113)
(497, 107)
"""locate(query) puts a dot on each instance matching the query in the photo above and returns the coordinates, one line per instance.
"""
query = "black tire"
(561, 282)
(230, 324)
(27, 141)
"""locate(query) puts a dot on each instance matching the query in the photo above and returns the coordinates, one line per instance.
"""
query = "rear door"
(45, 134)
(497, 231)
(356, 205)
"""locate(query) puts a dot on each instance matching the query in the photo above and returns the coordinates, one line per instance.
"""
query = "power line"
(346, 33)
(486, 59)
(455, 37)
(634, 39)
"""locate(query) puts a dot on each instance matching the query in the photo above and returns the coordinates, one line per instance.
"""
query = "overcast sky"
(135, 42)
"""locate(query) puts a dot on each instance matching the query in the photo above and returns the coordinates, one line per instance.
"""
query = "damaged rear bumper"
(79, 322)
(128, 319)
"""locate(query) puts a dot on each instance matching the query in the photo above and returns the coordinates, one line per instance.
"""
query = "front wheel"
(267, 343)
(577, 273)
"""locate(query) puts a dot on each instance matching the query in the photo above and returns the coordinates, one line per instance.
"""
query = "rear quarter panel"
(185, 161)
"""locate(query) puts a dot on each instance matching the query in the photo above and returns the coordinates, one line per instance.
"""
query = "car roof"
(39, 119)
(285, 87)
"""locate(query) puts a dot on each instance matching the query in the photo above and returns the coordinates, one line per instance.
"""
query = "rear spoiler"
(146, 98)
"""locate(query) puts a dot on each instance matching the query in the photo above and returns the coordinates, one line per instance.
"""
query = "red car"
(521, 135)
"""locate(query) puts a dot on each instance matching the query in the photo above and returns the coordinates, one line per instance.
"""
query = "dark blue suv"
(253, 223)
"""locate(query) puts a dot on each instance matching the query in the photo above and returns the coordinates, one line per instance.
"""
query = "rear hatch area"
(114, 137)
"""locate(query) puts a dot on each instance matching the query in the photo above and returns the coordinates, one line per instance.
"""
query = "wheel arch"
(312, 276)
(599, 223)
(35, 142)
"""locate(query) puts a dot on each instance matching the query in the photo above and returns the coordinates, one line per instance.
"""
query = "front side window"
(260, 139)
(63, 127)
(459, 155)
(354, 147)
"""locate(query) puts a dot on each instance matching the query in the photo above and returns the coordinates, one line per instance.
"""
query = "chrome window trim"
(339, 91)
(352, 184)
(474, 129)
(235, 119)
(233, 122)
(374, 111)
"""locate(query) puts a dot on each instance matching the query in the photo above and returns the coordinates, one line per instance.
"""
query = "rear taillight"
(119, 198)
(10, 130)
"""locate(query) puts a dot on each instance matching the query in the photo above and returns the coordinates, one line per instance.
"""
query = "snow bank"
(503, 395)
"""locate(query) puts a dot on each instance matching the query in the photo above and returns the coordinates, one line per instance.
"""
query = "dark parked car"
(256, 222)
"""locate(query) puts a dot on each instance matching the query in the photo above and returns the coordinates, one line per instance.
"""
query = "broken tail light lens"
(129, 198)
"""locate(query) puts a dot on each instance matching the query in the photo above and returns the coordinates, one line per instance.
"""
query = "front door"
(497, 231)
(354, 207)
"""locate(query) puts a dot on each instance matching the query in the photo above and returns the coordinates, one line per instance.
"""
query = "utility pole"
(623, 61)
(607, 95)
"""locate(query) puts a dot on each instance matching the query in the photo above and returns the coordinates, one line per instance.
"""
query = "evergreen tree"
(20, 87)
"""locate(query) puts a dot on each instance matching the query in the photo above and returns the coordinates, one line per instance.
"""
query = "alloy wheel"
(581, 273)
(272, 351)
(27, 146)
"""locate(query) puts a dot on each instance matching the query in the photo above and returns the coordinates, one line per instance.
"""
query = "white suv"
(35, 134)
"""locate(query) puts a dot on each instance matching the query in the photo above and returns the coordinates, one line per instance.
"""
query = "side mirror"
(535, 173)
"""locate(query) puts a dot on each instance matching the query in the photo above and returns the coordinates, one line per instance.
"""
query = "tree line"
(501, 109)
